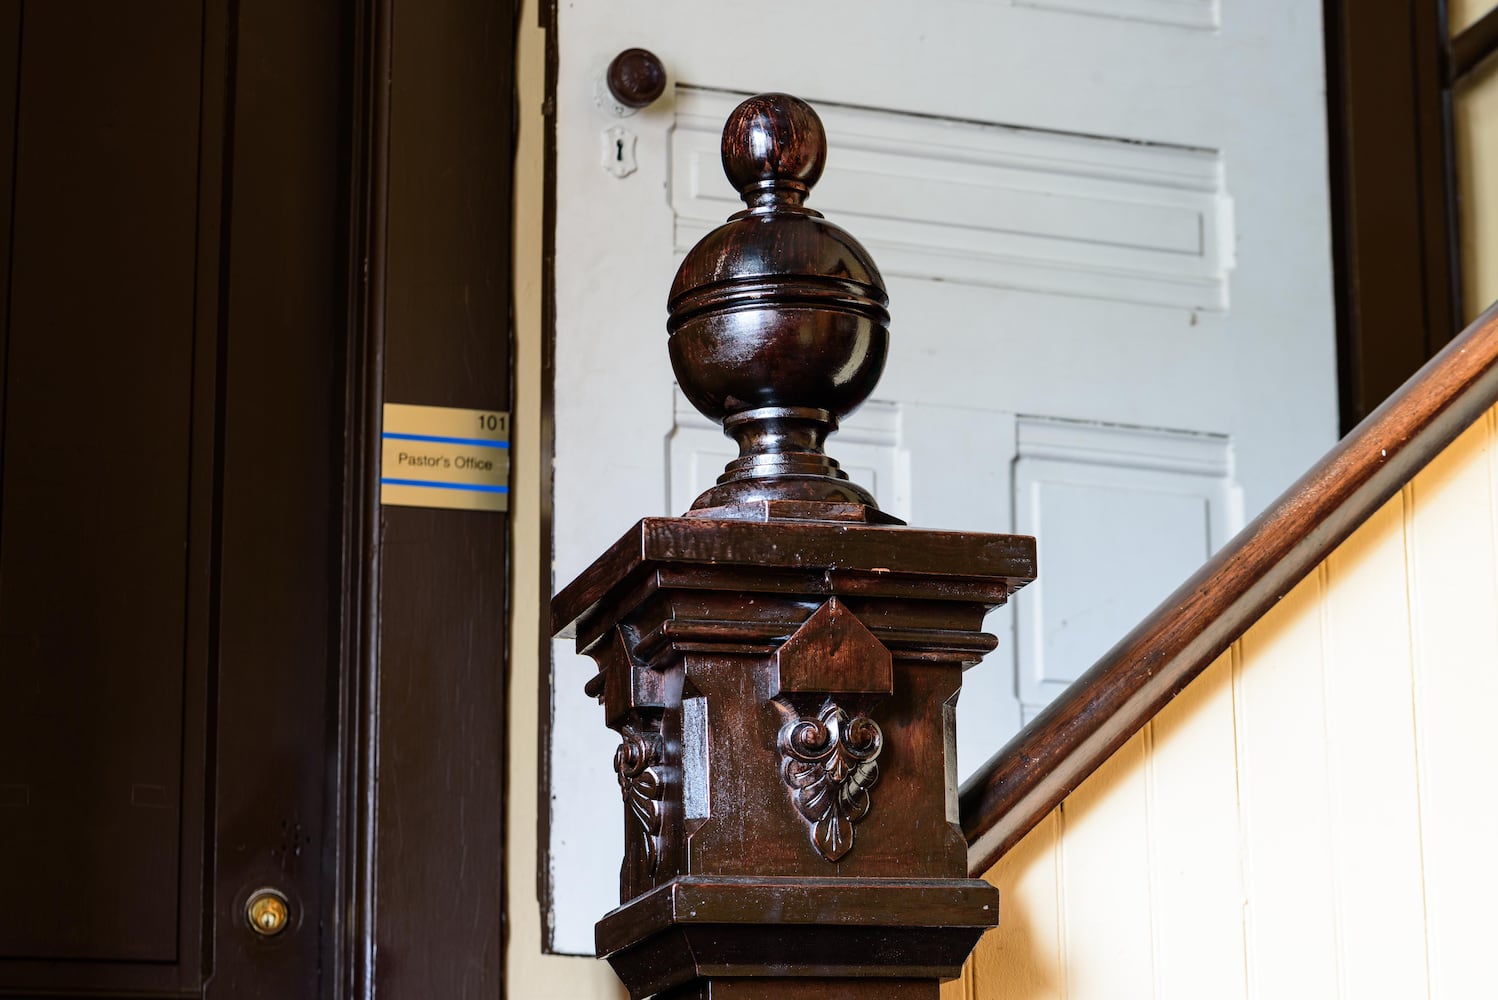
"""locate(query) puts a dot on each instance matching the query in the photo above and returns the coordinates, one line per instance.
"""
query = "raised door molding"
(994, 205)
(1183, 13)
(1123, 514)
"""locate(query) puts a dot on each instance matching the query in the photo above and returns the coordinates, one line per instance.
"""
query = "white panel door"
(1090, 214)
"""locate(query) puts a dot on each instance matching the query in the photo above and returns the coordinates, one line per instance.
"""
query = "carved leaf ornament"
(830, 763)
(636, 762)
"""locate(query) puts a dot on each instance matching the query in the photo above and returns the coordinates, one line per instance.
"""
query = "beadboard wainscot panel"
(1196, 885)
(1104, 854)
(1454, 603)
(1370, 739)
(1024, 958)
(1311, 806)
(1282, 785)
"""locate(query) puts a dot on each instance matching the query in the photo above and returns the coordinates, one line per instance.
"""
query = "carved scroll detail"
(830, 763)
(637, 763)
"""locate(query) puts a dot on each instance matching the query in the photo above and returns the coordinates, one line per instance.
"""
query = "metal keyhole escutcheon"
(267, 912)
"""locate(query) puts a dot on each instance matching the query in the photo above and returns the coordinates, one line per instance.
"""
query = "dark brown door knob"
(636, 78)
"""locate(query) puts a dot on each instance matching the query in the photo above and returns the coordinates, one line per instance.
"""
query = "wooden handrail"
(1098, 713)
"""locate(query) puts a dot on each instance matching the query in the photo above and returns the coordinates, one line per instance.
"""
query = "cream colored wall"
(530, 975)
(1313, 817)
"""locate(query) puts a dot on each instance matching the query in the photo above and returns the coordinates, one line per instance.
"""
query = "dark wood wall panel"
(172, 494)
(10, 73)
(95, 522)
(442, 635)
(279, 556)
(225, 215)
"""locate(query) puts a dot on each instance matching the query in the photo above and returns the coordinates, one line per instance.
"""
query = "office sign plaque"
(445, 456)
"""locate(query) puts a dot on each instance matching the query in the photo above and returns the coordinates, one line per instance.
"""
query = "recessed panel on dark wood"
(171, 471)
(183, 715)
(282, 307)
(97, 504)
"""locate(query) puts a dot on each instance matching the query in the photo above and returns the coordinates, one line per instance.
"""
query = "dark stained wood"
(173, 338)
(281, 312)
(783, 691)
(10, 80)
(636, 78)
(1396, 263)
(1474, 45)
(350, 949)
(763, 929)
(777, 318)
(100, 676)
(782, 664)
(770, 987)
(237, 228)
(438, 840)
(1191, 628)
(821, 557)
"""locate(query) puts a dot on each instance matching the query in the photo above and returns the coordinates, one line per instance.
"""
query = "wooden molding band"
(1107, 705)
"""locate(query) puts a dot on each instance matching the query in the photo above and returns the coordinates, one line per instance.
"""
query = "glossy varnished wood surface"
(1123, 691)
(782, 690)
(816, 546)
(781, 663)
(437, 816)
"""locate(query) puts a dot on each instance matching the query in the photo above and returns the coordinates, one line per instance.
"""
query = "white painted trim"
(1081, 442)
(1202, 14)
(1133, 460)
(993, 205)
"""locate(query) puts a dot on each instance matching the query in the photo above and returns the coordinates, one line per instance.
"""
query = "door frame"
(1391, 70)
(432, 144)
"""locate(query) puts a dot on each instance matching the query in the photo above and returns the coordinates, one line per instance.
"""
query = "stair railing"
(1114, 699)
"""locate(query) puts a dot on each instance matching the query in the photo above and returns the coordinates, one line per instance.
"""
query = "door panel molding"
(993, 205)
(1202, 14)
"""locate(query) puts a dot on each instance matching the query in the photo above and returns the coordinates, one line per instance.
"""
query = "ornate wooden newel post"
(782, 663)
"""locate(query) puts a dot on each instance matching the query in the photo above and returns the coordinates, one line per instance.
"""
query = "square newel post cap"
(822, 557)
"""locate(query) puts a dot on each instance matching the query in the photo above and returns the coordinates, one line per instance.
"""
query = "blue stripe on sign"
(480, 442)
(445, 486)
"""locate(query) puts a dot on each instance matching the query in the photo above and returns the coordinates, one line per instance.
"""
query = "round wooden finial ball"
(773, 137)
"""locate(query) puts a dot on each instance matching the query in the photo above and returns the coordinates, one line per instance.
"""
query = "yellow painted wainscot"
(1314, 816)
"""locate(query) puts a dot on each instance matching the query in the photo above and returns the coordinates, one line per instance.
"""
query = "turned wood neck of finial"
(765, 197)
(781, 458)
(774, 433)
